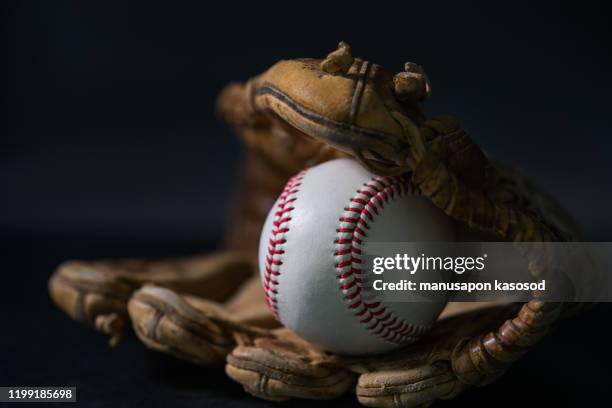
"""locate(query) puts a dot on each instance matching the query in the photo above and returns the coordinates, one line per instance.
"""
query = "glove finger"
(188, 328)
(287, 367)
(97, 292)
(90, 292)
(419, 385)
(422, 374)
(412, 377)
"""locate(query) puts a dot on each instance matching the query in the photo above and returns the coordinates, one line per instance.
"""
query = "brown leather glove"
(471, 344)
(195, 329)
(300, 113)
(97, 292)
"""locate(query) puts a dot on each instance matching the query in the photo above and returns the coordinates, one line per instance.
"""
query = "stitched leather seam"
(359, 89)
(354, 223)
(282, 216)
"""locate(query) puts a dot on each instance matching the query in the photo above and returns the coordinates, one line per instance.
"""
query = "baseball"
(310, 257)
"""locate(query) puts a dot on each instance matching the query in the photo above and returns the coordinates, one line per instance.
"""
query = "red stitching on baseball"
(282, 216)
(362, 209)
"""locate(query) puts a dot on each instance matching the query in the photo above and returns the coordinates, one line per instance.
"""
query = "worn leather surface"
(97, 292)
(353, 112)
(277, 364)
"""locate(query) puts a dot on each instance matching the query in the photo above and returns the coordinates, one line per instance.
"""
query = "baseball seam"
(282, 216)
(362, 210)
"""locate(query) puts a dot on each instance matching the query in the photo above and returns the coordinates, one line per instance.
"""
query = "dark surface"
(110, 148)
(41, 346)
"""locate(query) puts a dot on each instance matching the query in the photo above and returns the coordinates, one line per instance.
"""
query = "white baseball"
(309, 256)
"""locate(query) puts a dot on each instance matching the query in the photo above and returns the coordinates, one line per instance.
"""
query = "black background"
(110, 148)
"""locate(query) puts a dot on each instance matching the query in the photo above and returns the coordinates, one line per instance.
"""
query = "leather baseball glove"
(97, 292)
(472, 344)
(299, 113)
